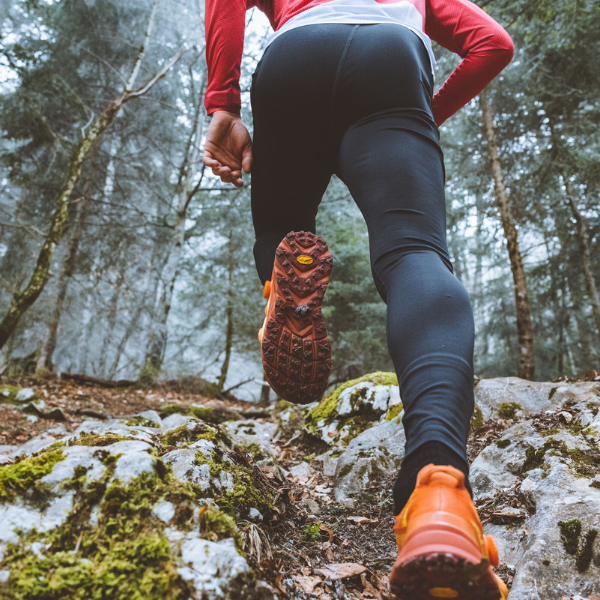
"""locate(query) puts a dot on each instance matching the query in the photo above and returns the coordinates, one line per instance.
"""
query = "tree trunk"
(584, 249)
(112, 318)
(23, 300)
(185, 191)
(45, 362)
(526, 368)
(229, 313)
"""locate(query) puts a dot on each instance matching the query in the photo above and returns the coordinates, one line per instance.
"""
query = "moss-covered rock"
(118, 522)
(354, 407)
(24, 476)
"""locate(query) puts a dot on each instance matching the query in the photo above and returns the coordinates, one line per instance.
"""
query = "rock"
(528, 396)
(100, 506)
(375, 452)
(215, 569)
(254, 438)
(353, 408)
(24, 395)
(552, 476)
(302, 472)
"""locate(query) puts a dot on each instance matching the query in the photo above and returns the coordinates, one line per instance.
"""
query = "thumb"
(247, 158)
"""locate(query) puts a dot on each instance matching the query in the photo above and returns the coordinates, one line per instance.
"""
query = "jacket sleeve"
(486, 48)
(224, 23)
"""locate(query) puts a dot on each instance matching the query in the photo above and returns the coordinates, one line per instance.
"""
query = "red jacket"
(458, 25)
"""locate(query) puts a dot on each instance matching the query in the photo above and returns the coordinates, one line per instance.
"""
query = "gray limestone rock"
(104, 468)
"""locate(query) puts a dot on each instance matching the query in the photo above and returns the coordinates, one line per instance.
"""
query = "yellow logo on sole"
(443, 592)
(305, 260)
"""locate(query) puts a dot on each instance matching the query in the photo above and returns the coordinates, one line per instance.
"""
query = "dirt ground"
(308, 534)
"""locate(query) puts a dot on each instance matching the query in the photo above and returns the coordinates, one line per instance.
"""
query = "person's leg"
(292, 143)
(392, 163)
(294, 158)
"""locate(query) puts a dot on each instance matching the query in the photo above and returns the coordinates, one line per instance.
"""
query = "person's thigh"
(293, 152)
(389, 153)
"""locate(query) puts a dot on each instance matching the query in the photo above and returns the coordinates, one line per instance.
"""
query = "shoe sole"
(443, 575)
(296, 351)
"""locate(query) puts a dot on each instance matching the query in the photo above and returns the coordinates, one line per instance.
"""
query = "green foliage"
(313, 532)
(24, 476)
(507, 410)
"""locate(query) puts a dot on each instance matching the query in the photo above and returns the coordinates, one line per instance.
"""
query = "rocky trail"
(164, 493)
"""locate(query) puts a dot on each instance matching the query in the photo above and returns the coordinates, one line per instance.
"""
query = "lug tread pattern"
(414, 579)
(296, 351)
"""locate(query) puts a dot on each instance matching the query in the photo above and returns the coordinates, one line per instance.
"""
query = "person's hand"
(228, 147)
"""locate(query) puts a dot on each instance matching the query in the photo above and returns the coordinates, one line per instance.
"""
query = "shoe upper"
(441, 500)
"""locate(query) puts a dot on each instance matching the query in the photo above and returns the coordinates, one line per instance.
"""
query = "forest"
(122, 258)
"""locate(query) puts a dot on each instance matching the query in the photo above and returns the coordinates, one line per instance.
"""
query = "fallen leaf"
(361, 520)
(329, 531)
(333, 433)
(568, 417)
(340, 570)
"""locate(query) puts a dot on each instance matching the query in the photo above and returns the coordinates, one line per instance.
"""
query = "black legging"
(355, 100)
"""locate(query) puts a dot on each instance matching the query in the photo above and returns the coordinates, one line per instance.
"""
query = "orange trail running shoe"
(296, 352)
(442, 550)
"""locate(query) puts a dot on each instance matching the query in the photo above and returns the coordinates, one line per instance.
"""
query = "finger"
(227, 178)
(236, 174)
(238, 183)
(209, 160)
(224, 171)
(247, 160)
(216, 171)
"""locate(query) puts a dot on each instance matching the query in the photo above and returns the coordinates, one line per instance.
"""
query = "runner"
(345, 87)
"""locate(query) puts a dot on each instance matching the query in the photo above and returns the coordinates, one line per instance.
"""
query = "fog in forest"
(122, 258)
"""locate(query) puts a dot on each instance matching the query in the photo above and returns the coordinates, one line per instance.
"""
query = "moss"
(24, 476)
(141, 422)
(595, 485)
(534, 459)
(98, 439)
(345, 470)
(507, 410)
(376, 470)
(552, 431)
(575, 427)
(569, 534)
(476, 419)
(595, 411)
(394, 411)
(552, 392)
(246, 493)
(125, 556)
(503, 443)
(203, 413)
(326, 410)
(355, 426)
(216, 525)
(8, 394)
(586, 553)
(361, 472)
(200, 431)
(255, 451)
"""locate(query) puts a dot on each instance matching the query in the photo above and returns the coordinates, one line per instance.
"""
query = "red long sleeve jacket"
(458, 25)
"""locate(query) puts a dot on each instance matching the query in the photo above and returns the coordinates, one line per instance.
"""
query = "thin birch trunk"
(584, 249)
(185, 191)
(526, 369)
(229, 314)
(23, 300)
(112, 318)
(45, 362)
